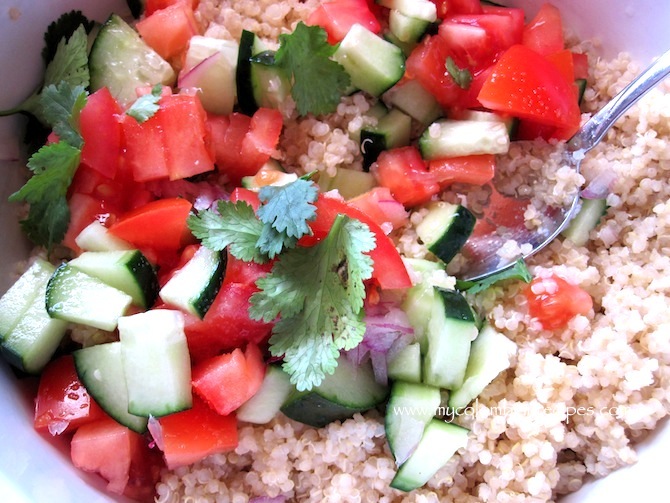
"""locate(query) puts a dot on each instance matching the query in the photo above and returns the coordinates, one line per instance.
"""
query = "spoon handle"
(594, 130)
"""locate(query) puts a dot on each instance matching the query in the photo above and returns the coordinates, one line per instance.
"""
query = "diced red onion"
(600, 186)
(268, 499)
(379, 366)
(156, 431)
(58, 427)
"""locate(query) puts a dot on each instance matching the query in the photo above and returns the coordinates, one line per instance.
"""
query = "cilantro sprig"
(318, 82)
(145, 107)
(519, 271)
(462, 76)
(317, 292)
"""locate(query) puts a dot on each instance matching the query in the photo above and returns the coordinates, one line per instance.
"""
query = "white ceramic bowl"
(34, 470)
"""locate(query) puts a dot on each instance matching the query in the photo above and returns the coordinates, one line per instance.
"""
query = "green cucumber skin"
(460, 229)
(245, 92)
(204, 302)
(314, 410)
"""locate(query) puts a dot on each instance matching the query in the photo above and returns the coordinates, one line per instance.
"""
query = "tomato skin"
(405, 173)
(226, 381)
(524, 84)
(448, 7)
(472, 169)
(581, 65)
(191, 435)
(380, 205)
(132, 470)
(338, 16)
(389, 270)
(159, 225)
(101, 132)
(245, 273)
(544, 33)
(84, 209)
(248, 196)
(169, 30)
(145, 151)
(62, 398)
(554, 302)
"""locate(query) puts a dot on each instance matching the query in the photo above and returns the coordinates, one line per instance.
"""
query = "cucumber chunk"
(96, 237)
(373, 64)
(413, 99)
(406, 28)
(419, 9)
(405, 365)
(156, 362)
(392, 130)
(587, 219)
(100, 369)
(454, 138)
(30, 336)
(340, 395)
(418, 305)
(491, 353)
(349, 182)
(439, 443)
(445, 229)
(450, 332)
(266, 403)
(194, 287)
(127, 270)
(410, 408)
(121, 61)
(72, 295)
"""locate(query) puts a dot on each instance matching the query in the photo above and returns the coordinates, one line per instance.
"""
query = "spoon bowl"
(502, 220)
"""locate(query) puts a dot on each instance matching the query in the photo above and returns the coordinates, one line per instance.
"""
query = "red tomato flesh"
(526, 85)
(101, 132)
(133, 469)
(544, 33)
(145, 150)
(554, 301)
(226, 381)
(380, 205)
(405, 173)
(168, 30)
(338, 16)
(159, 225)
(472, 169)
(191, 435)
(62, 403)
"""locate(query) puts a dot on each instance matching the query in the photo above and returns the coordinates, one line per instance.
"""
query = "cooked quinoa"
(537, 431)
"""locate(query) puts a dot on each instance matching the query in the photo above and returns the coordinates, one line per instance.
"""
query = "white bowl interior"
(35, 470)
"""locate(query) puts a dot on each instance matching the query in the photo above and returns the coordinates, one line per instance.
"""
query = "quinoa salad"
(574, 401)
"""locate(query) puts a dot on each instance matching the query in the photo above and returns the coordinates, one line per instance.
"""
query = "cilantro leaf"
(318, 293)
(69, 65)
(61, 106)
(53, 168)
(285, 211)
(462, 76)
(234, 225)
(318, 82)
(63, 28)
(518, 271)
(146, 106)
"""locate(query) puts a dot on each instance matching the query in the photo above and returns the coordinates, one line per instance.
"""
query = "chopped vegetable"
(146, 106)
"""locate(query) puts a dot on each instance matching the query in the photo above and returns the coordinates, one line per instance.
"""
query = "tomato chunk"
(338, 16)
(544, 33)
(101, 132)
(191, 435)
(145, 150)
(133, 469)
(380, 205)
(473, 169)
(226, 381)
(62, 403)
(405, 173)
(554, 301)
(169, 30)
(84, 209)
(525, 84)
(157, 225)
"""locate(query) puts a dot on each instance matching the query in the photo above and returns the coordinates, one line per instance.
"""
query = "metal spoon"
(481, 249)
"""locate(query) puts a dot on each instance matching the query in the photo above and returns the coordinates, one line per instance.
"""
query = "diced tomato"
(228, 134)
(145, 151)
(226, 324)
(191, 435)
(472, 169)
(101, 132)
(169, 30)
(133, 469)
(544, 33)
(152, 6)
(389, 269)
(526, 85)
(84, 209)
(159, 225)
(380, 205)
(62, 403)
(183, 122)
(564, 61)
(338, 16)
(554, 301)
(249, 196)
(261, 140)
(245, 273)
(405, 173)
(226, 381)
(449, 7)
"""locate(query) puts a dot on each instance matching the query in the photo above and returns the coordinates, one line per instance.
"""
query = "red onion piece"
(156, 431)
(268, 499)
(600, 186)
